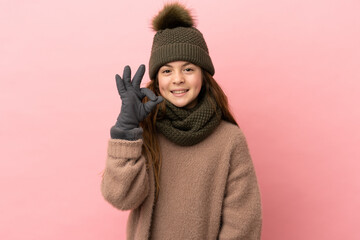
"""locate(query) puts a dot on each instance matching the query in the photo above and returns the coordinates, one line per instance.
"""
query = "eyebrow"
(185, 64)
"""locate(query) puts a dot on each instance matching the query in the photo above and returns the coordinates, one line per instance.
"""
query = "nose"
(178, 78)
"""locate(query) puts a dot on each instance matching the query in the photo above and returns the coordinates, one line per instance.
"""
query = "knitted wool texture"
(179, 44)
(187, 127)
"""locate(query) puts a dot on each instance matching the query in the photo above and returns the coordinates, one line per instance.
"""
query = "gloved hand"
(133, 111)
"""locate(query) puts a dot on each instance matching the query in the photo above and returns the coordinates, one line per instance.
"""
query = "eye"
(189, 69)
(166, 71)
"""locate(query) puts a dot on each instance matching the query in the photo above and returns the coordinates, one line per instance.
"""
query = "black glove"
(133, 111)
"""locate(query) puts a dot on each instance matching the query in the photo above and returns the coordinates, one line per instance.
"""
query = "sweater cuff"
(119, 148)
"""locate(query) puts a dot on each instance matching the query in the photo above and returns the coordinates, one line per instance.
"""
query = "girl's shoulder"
(228, 139)
(230, 132)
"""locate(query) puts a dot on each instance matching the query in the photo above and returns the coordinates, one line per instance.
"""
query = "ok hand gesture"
(133, 111)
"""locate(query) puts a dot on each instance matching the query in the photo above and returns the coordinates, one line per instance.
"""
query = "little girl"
(177, 158)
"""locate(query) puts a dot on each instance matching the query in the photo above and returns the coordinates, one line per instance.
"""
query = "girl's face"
(180, 83)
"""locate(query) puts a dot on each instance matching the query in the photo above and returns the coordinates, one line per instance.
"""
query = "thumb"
(150, 94)
(149, 105)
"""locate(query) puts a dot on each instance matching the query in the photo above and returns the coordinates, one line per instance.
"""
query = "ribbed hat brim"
(179, 52)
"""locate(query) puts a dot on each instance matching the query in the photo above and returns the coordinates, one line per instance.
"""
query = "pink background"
(291, 70)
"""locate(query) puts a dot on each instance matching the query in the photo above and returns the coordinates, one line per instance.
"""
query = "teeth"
(180, 91)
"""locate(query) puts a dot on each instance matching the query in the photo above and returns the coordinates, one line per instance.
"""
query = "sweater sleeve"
(241, 214)
(125, 182)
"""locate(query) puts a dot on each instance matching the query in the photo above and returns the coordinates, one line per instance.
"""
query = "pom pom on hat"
(171, 16)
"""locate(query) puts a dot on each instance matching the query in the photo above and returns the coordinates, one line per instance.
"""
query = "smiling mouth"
(179, 91)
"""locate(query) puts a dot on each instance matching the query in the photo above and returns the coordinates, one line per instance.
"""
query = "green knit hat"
(177, 40)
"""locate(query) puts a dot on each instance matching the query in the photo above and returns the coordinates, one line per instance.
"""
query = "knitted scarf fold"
(188, 127)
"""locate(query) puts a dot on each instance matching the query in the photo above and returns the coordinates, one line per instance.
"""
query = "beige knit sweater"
(207, 191)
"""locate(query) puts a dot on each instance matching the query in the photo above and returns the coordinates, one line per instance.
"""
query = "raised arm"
(125, 182)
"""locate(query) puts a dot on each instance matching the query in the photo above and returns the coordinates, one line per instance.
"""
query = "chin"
(179, 104)
(186, 105)
(182, 104)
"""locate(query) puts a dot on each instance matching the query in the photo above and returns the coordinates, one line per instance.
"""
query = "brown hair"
(151, 148)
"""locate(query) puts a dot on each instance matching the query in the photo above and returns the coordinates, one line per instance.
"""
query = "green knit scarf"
(188, 127)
